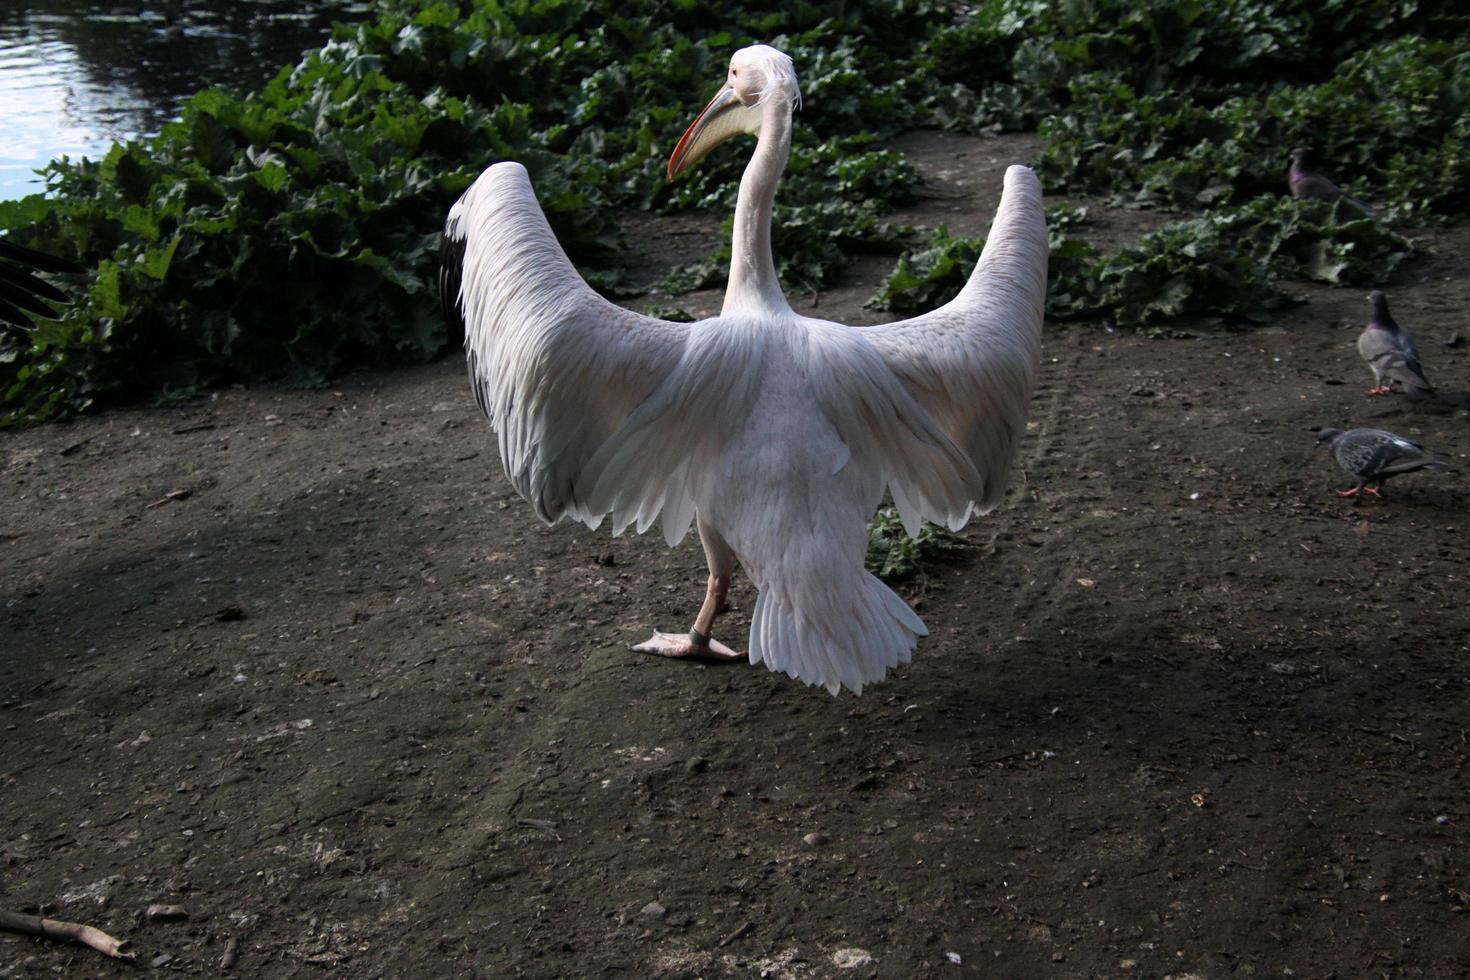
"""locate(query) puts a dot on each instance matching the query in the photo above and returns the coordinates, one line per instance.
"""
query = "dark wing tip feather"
(11, 315)
(39, 261)
(451, 275)
(23, 293)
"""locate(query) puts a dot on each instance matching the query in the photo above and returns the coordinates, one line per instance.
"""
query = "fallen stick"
(31, 925)
(171, 495)
(737, 934)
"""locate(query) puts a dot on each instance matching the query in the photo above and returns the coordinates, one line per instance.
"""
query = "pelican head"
(758, 75)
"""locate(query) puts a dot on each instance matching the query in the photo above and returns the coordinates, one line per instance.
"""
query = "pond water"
(78, 75)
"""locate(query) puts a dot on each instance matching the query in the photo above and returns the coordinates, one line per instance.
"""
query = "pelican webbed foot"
(684, 646)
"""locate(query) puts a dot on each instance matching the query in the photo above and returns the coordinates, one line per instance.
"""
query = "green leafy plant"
(1226, 263)
(1394, 117)
(894, 556)
(296, 230)
(290, 232)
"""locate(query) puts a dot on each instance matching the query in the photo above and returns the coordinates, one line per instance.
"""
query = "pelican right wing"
(556, 368)
(972, 363)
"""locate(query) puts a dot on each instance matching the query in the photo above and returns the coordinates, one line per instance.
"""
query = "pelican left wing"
(972, 363)
(556, 368)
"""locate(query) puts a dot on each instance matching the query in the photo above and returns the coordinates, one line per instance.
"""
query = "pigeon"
(1307, 183)
(1374, 455)
(1390, 352)
(22, 292)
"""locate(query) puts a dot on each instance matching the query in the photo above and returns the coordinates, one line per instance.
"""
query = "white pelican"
(774, 433)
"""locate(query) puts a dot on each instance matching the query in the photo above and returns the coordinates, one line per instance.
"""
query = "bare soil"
(303, 663)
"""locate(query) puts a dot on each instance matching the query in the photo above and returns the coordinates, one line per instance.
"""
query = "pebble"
(851, 958)
(167, 913)
(815, 839)
(232, 954)
(653, 910)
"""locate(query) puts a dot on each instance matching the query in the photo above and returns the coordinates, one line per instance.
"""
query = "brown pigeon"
(1307, 183)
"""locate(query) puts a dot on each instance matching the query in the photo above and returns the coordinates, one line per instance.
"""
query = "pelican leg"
(697, 644)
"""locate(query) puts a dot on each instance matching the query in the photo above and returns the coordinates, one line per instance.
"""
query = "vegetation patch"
(291, 231)
(1227, 263)
(893, 556)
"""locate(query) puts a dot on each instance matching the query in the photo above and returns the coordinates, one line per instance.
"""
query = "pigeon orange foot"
(687, 646)
(1354, 492)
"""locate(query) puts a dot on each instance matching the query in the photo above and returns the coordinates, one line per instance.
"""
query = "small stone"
(953, 958)
(1443, 819)
(1126, 966)
(231, 955)
(653, 910)
(815, 839)
(167, 913)
(851, 958)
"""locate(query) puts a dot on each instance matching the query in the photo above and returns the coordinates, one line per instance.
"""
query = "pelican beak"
(713, 126)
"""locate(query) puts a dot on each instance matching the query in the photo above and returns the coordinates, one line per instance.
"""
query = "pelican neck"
(753, 286)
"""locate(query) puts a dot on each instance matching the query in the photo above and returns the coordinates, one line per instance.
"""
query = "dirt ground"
(302, 663)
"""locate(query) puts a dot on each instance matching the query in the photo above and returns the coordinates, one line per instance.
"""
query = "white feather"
(972, 362)
(555, 367)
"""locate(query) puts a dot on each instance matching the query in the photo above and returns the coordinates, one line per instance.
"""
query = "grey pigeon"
(1390, 352)
(22, 292)
(1373, 455)
(1307, 183)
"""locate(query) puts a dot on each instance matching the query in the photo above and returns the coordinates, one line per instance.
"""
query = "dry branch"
(31, 925)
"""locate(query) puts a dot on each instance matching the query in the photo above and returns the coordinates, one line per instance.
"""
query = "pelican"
(774, 434)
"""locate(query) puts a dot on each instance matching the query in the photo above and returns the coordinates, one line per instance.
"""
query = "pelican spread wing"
(556, 368)
(971, 363)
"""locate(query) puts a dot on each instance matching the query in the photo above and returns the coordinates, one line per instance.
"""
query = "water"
(78, 75)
